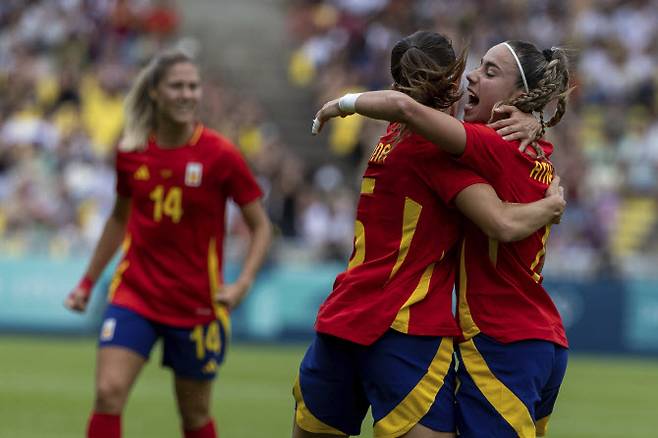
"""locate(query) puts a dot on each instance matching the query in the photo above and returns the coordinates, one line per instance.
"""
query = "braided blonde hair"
(547, 73)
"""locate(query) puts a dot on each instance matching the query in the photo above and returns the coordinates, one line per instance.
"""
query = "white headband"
(516, 58)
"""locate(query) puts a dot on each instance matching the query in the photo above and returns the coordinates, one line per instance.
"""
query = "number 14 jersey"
(172, 259)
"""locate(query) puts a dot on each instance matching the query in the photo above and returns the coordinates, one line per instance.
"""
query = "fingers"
(501, 124)
(524, 144)
(514, 136)
(506, 109)
(76, 302)
(317, 126)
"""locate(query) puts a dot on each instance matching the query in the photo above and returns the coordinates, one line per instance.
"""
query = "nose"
(188, 92)
(471, 76)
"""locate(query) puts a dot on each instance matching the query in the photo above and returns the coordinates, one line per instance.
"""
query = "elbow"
(503, 231)
(405, 107)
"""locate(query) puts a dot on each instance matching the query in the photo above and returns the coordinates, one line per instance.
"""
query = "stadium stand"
(65, 64)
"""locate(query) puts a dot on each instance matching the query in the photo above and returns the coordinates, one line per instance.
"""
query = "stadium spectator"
(174, 177)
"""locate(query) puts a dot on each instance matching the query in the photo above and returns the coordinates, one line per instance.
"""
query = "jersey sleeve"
(242, 186)
(447, 176)
(485, 152)
(123, 175)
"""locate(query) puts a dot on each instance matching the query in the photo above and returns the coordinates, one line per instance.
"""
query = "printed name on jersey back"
(543, 172)
(380, 153)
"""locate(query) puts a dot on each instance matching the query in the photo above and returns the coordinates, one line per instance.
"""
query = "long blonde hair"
(138, 107)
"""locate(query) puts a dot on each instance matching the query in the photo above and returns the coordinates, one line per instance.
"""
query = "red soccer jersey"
(500, 290)
(402, 269)
(173, 247)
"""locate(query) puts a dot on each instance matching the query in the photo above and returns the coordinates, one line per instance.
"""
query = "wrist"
(347, 103)
(86, 285)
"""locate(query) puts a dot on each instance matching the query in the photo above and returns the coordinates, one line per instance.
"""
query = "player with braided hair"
(513, 354)
(385, 334)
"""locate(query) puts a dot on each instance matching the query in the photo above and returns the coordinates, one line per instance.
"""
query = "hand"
(513, 124)
(230, 295)
(328, 111)
(78, 299)
(556, 192)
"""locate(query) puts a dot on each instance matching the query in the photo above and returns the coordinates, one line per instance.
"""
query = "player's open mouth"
(472, 100)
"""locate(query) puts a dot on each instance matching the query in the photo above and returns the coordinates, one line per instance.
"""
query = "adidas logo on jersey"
(142, 174)
(210, 367)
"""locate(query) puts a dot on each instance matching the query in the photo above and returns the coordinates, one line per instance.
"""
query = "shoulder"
(482, 131)
(216, 143)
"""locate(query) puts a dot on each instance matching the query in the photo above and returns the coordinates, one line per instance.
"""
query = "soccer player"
(514, 352)
(174, 177)
(385, 334)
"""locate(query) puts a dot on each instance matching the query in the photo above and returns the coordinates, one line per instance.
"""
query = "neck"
(169, 134)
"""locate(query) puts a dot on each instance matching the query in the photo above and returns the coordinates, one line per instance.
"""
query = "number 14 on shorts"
(208, 341)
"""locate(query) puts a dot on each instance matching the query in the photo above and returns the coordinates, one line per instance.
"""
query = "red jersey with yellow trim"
(500, 290)
(173, 249)
(401, 273)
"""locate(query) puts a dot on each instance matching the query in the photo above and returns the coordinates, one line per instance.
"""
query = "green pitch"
(46, 390)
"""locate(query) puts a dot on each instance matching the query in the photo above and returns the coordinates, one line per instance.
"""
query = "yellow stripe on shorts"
(542, 425)
(508, 405)
(420, 399)
(305, 419)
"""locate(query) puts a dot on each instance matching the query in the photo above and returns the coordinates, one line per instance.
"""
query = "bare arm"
(113, 234)
(438, 127)
(261, 237)
(510, 222)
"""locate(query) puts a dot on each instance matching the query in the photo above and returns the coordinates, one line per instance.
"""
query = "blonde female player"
(514, 352)
(174, 177)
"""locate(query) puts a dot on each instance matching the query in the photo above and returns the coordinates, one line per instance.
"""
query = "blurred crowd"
(607, 144)
(65, 66)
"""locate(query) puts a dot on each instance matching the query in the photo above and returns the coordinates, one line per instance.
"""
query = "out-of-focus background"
(268, 65)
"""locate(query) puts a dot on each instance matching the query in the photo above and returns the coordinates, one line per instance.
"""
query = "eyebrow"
(490, 64)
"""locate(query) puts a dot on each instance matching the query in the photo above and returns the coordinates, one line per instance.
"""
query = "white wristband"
(347, 103)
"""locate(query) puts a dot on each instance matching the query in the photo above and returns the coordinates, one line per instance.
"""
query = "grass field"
(46, 392)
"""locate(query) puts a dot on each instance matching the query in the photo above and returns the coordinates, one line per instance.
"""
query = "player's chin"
(470, 114)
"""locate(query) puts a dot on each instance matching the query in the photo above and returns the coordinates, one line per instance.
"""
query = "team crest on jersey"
(107, 331)
(142, 174)
(193, 173)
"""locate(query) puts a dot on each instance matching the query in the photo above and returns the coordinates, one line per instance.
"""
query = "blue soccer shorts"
(507, 390)
(405, 379)
(193, 353)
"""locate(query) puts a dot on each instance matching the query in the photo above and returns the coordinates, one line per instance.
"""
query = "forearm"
(521, 220)
(259, 244)
(111, 238)
(438, 127)
(502, 221)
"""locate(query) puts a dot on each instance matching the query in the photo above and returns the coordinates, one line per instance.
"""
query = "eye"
(489, 74)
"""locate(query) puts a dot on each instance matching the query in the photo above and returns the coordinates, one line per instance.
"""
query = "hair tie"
(516, 58)
(548, 54)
